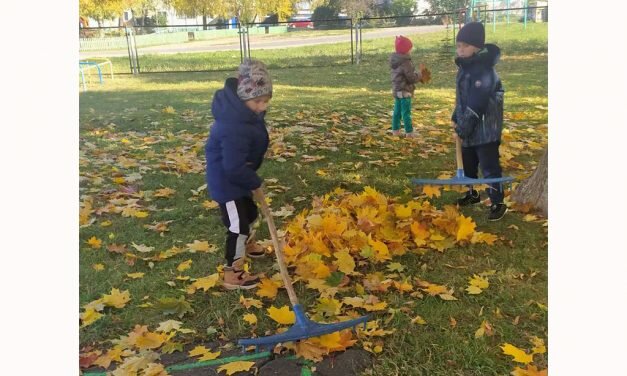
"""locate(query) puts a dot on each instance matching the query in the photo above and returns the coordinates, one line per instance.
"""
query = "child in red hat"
(404, 79)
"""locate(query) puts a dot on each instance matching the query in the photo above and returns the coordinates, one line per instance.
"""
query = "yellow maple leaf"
(114, 354)
(477, 284)
(418, 320)
(164, 192)
(168, 110)
(207, 204)
(353, 301)
(117, 298)
(209, 356)
(465, 228)
(184, 265)
(483, 237)
(150, 340)
(94, 242)
(98, 267)
(201, 246)
(204, 283)
(135, 275)
(538, 345)
(330, 341)
(198, 351)
(89, 317)
(169, 325)
(282, 315)
(267, 288)
(250, 318)
(250, 302)
(402, 211)
(473, 290)
(233, 367)
(431, 191)
(519, 355)
(328, 306)
(382, 252)
(345, 262)
(310, 349)
(530, 371)
(155, 369)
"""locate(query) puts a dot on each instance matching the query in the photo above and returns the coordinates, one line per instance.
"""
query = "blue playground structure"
(86, 66)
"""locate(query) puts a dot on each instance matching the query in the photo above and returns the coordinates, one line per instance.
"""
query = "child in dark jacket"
(234, 151)
(478, 114)
(404, 78)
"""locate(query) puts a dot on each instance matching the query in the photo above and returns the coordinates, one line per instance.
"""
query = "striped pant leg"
(238, 216)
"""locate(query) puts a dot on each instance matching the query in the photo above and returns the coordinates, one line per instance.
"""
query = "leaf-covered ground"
(450, 292)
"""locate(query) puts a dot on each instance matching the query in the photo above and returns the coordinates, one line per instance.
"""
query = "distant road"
(260, 43)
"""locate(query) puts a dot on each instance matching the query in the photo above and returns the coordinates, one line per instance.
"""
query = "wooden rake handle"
(278, 248)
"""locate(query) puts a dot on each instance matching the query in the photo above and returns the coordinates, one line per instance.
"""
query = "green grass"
(119, 117)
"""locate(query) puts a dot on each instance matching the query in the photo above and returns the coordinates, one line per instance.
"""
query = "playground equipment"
(85, 66)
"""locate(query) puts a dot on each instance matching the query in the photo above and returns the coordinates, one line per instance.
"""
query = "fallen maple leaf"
(117, 298)
(169, 325)
(142, 248)
(519, 355)
(250, 318)
(184, 265)
(282, 315)
(267, 288)
(94, 242)
(530, 371)
(201, 246)
(89, 317)
(431, 191)
(233, 367)
(135, 275)
(250, 302)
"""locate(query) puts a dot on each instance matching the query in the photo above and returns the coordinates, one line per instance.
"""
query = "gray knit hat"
(254, 80)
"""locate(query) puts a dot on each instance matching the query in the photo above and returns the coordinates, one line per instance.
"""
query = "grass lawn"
(140, 135)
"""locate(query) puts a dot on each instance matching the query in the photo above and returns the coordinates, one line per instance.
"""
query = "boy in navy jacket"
(234, 151)
(478, 114)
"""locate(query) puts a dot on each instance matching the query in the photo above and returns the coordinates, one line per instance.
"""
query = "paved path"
(261, 42)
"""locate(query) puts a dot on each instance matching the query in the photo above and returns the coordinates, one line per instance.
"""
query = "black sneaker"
(497, 211)
(471, 197)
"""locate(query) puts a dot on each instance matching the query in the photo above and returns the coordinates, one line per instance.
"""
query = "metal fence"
(222, 47)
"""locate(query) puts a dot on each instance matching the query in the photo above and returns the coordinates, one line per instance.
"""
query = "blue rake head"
(303, 328)
(460, 179)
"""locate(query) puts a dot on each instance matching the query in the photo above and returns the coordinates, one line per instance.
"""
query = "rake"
(303, 328)
(460, 178)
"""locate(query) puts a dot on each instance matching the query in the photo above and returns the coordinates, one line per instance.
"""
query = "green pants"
(402, 109)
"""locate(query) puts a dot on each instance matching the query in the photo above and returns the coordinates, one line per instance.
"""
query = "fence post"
(131, 45)
(352, 54)
(526, 11)
(493, 17)
(358, 52)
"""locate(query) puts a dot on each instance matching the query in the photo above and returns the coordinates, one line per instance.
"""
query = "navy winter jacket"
(237, 142)
(479, 98)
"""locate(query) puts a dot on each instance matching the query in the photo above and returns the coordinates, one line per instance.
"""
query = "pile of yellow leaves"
(344, 230)
(344, 233)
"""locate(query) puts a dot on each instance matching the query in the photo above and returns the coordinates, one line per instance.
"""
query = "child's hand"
(258, 195)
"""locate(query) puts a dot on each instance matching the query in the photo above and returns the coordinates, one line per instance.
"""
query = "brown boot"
(235, 277)
(253, 250)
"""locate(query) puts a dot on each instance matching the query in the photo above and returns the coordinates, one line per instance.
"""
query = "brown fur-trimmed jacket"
(404, 75)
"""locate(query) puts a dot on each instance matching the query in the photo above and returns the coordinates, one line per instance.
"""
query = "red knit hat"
(402, 45)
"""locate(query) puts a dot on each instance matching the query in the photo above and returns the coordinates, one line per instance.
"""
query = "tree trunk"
(204, 20)
(534, 189)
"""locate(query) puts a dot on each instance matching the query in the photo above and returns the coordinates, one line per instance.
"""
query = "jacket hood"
(397, 59)
(228, 107)
(488, 56)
